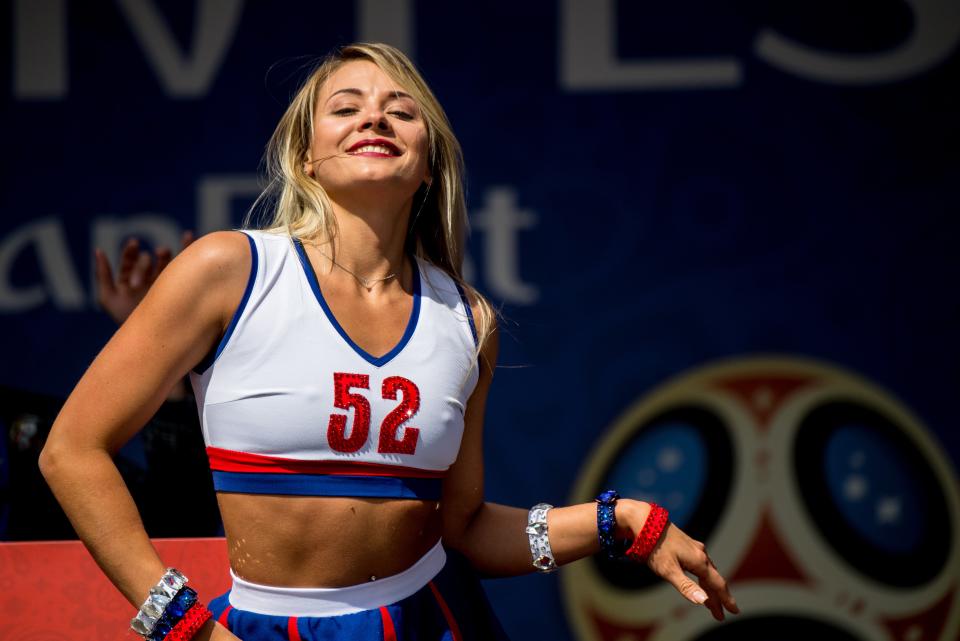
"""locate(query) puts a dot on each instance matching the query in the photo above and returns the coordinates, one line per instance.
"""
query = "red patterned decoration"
(190, 624)
(649, 534)
(408, 407)
(344, 399)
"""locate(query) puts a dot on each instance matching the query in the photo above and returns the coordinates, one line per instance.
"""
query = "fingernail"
(700, 596)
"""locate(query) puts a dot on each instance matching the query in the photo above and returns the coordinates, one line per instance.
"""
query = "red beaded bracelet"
(190, 624)
(649, 534)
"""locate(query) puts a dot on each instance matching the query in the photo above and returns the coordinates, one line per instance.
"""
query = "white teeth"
(376, 149)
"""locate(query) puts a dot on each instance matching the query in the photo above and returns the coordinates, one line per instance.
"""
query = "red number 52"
(344, 399)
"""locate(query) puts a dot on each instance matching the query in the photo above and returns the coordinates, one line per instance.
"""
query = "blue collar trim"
(377, 361)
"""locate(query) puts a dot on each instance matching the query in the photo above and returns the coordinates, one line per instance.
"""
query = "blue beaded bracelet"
(607, 523)
(178, 606)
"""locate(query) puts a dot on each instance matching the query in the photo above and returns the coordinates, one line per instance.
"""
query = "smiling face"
(368, 134)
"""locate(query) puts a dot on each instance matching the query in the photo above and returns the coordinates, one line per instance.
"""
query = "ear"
(308, 165)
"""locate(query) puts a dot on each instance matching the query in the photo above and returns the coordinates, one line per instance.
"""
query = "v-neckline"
(378, 361)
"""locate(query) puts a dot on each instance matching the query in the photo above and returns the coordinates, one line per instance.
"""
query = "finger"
(727, 599)
(138, 275)
(731, 605)
(716, 609)
(127, 259)
(686, 586)
(186, 238)
(164, 256)
(104, 273)
(715, 585)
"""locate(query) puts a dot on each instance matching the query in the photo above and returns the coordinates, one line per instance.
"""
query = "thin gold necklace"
(368, 283)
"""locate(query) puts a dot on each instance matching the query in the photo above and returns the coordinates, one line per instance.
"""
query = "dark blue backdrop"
(788, 186)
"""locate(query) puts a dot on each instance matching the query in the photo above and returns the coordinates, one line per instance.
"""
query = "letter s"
(936, 30)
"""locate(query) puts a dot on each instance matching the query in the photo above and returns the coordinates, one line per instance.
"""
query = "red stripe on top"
(447, 614)
(233, 461)
(224, 617)
(293, 634)
(389, 632)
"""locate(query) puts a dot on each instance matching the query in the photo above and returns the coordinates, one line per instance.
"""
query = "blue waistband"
(328, 485)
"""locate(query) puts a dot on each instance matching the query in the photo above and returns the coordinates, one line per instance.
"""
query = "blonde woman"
(341, 366)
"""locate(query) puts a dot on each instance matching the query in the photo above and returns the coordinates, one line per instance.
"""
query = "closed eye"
(402, 115)
(345, 111)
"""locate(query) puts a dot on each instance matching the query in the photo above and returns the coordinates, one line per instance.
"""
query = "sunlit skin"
(359, 102)
(300, 540)
(274, 537)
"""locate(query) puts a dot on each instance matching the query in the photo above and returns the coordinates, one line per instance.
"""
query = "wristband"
(649, 534)
(607, 523)
(157, 601)
(190, 624)
(537, 532)
(185, 601)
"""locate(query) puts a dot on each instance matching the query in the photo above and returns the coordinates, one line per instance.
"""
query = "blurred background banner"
(723, 235)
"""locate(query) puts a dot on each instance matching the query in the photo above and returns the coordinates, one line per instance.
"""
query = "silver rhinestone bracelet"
(157, 601)
(537, 533)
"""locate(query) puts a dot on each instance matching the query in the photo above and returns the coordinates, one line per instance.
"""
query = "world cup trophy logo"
(828, 505)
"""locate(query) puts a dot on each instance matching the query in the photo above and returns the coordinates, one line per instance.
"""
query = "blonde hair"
(298, 205)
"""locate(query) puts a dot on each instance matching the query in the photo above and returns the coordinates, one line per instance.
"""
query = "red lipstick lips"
(381, 143)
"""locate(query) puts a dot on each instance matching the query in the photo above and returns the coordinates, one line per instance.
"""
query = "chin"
(386, 186)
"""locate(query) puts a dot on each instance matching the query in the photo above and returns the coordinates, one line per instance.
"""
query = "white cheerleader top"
(289, 404)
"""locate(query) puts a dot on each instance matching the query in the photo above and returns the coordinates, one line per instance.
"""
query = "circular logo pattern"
(827, 505)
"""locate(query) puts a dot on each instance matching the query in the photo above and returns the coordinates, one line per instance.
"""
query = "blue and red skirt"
(439, 598)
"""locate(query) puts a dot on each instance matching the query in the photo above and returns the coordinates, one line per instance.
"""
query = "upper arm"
(463, 484)
(178, 322)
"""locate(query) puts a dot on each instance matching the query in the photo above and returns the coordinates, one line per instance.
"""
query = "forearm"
(496, 542)
(95, 499)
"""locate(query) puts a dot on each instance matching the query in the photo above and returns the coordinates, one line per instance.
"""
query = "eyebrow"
(356, 92)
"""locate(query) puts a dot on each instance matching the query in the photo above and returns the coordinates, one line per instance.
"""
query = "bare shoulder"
(217, 255)
(204, 282)
(174, 327)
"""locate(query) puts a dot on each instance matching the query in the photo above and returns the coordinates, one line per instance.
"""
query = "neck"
(371, 237)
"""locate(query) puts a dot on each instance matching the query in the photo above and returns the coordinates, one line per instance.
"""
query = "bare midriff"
(311, 541)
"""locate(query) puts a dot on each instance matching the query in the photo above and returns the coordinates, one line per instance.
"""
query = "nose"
(374, 119)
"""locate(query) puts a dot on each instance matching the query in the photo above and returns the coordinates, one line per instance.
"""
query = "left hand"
(675, 555)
